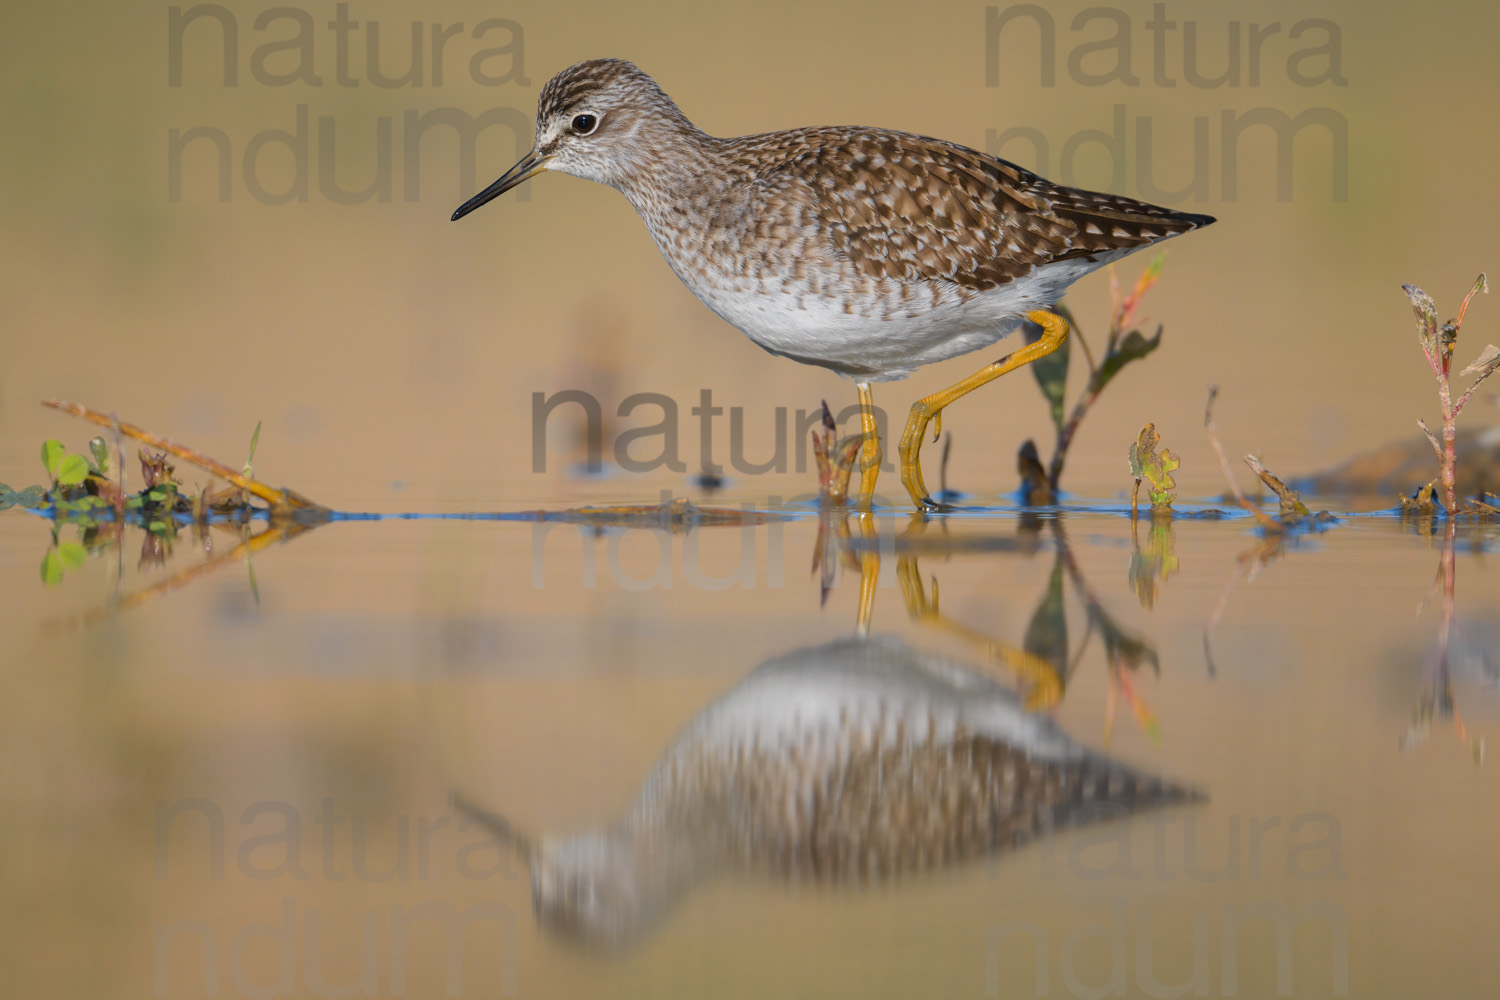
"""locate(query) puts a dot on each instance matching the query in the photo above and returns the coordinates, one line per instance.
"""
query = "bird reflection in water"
(861, 761)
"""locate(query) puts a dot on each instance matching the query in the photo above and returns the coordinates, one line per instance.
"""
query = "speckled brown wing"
(919, 807)
(918, 209)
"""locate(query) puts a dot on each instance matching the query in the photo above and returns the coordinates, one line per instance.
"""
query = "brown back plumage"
(896, 205)
(914, 208)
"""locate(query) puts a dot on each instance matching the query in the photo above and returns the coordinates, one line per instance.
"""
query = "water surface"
(641, 761)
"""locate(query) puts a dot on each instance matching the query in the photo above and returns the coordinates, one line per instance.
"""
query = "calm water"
(1064, 755)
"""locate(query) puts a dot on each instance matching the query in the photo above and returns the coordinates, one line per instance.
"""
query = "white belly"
(881, 335)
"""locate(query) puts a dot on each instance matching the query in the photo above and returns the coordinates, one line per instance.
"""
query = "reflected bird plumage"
(861, 761)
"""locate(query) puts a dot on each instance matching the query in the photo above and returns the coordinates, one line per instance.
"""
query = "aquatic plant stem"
(1450, 433)
(279, 499)
(1268, 522)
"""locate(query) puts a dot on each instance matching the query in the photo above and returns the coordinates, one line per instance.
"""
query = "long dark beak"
(531, 165)
(497, 825)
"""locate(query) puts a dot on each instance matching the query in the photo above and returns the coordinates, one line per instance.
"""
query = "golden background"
(392, 356)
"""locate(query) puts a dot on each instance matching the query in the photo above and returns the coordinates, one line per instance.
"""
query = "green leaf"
(32, 497)
(72, 470)
(1160, 474)
(72, 554)
(1156, 469)
(1141, 449)
(1047, 633)
(1132, 347)
(1123, 647)
(52, 568)
(100, 451)
(52, 456)
(250, 460)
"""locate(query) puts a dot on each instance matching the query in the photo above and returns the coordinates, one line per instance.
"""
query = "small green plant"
(63, 468)
(1152, 566)
(1154, 468)
(1437, 344)
(61, 556)
(1123, 345)
(30, 498)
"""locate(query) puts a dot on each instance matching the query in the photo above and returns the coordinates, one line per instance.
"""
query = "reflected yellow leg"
(869, 573)
(870, 463)
(930, 408)
(1039, 680)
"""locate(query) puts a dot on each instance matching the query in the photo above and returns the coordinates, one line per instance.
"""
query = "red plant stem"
(1065, 436)
(1450, 434)
(1450, 572)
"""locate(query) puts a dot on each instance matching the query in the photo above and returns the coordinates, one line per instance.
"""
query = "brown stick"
(1265, 519)
(277, 498)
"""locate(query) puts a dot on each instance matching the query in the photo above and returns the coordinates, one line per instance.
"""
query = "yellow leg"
(870, 464)
(930, 408)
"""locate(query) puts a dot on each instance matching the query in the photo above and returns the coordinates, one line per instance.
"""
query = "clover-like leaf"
(53, 453)
(52, 568)
(31, 497)
(72, 470)
(71, 554)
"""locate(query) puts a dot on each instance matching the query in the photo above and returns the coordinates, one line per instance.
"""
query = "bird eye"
(585, 124)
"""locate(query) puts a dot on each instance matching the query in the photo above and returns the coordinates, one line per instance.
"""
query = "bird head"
(603, 120)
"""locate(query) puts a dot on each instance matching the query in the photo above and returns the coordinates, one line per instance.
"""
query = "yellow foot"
(929, 408)
(911, 455)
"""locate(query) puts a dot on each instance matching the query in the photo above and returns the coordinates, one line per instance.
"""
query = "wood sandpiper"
(863, 250)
